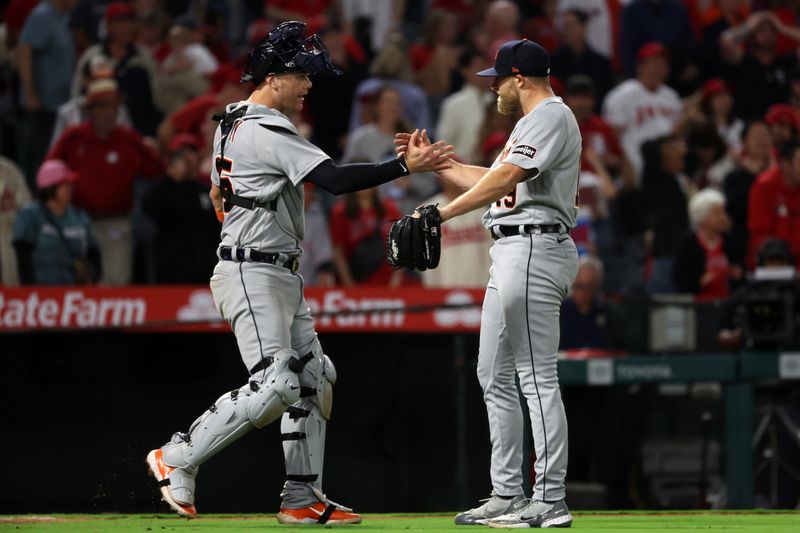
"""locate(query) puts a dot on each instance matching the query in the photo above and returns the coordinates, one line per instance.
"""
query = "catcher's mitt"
(415, 242)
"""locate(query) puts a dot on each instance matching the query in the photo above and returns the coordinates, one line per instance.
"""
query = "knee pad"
(325, 388)
(279, 389)
(317, 380)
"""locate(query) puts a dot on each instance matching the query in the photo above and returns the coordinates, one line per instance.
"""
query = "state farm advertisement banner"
(191, 308)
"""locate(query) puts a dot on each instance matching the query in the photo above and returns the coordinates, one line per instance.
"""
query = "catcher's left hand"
(415, 241)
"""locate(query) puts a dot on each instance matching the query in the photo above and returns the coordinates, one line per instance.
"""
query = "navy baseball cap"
(520, 57)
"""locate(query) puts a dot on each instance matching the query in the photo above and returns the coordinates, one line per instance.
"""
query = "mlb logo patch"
(524, 149)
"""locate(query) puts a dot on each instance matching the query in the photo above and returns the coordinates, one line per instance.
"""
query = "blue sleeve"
(36, 32)
(26, 226)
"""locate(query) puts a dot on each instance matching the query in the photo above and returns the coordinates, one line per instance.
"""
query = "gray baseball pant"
(267, 311)
(529, 278)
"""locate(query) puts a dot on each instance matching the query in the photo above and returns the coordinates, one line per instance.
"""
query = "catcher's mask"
(285, 49)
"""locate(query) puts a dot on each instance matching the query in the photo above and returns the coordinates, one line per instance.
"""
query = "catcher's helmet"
(285, 49)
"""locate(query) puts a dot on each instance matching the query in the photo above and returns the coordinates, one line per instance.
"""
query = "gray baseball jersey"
(529, 278)
(545, 141)
(265, 159)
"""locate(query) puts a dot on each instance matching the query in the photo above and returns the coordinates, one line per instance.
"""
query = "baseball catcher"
(257, 188)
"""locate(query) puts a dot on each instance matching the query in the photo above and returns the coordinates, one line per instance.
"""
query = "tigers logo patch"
(524, 149)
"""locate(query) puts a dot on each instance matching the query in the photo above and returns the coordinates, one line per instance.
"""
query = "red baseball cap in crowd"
(713, 87)
(184, 140)
(782, 114)
(119, 10)
(651, 49)
(54, 172)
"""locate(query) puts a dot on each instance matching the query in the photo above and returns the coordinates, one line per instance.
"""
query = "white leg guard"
(303, 433)
(258, 403)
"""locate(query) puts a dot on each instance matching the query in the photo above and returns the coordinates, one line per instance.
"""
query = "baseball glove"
(415, 242)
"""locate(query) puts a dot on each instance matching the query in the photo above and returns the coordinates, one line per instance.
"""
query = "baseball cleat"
(535, 514)
(161, 471)
(318, 513)
(495, 506)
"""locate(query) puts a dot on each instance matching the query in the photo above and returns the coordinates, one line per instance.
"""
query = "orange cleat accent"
(160, 470)
(318, 513)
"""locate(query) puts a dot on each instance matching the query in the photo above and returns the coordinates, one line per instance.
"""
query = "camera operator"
(762, 314)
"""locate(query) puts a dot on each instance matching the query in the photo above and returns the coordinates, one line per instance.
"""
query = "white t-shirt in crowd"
(640, 115)
(461, 118)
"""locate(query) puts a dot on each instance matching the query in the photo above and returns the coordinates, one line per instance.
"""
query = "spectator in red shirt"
(596, 133)
(358, 229)
(774, 205)
(108, 158)
(701, 262)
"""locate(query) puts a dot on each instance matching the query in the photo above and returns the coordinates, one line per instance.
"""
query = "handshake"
(420, 154)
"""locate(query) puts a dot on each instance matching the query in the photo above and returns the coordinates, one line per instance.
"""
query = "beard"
(508, 104)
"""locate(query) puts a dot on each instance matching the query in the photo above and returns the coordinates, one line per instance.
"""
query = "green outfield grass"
(745, 522)
(627, 521)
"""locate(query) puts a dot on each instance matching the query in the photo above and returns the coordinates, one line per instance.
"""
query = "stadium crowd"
(689, 112)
